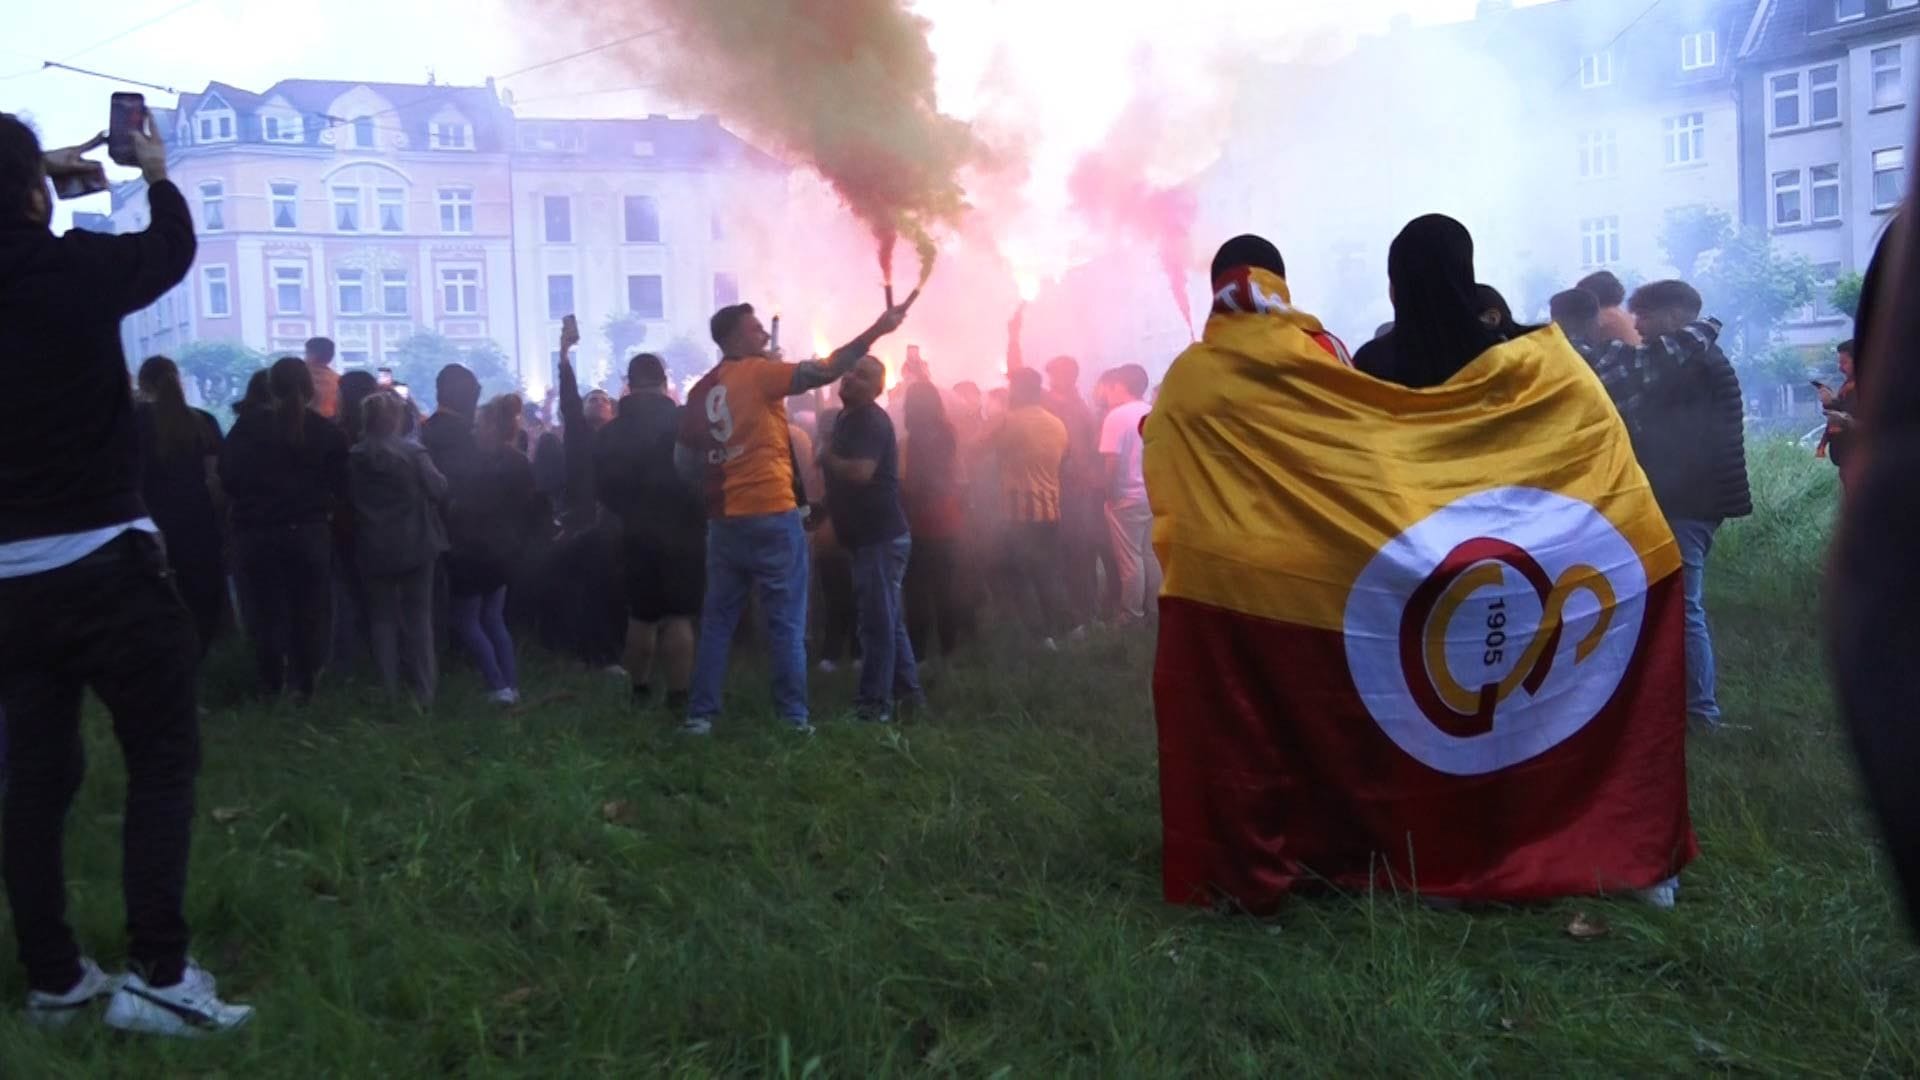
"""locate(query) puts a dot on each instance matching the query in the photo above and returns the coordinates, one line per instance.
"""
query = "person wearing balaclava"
(1437, 328)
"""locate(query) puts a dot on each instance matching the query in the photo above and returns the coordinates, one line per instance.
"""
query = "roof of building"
(409, 112)
(1788, 29)
(655, 140)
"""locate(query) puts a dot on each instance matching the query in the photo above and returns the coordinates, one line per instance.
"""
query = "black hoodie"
(69, 455)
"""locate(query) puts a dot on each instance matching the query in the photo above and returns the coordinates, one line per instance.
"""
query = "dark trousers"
(286, 572)
(837, 638)
(1033, 556)
(890, 672)
(932, 596)
(400, 626)
(112, 622)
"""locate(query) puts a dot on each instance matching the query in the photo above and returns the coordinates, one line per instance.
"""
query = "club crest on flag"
(1495, 629)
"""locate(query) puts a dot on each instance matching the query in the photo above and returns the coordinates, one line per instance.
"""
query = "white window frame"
(626, 218)
(1699, 51)
(289, 130)
(274, 201)
(216, 126)
(1783, 183)
(356, 358)
(450, 135)
(1686, 139)
(1599, 154)
(346, 276)
(367, 137)
(572, 295)
(1803, 95)
(1898, 69)
(1900, 154)
(1596, 70)
(390, 279)
(296, 278)
(460, 283)
(455, 199)
(1839, 11)
(380, 204)
(1600, 241)
(213, 203)
(546, 219)
(212, 275)
(335, 201)
(1816, 185)
(662, 279)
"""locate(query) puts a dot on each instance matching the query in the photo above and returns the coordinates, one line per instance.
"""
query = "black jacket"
(495, 510)
(69, 455)
(396, 495)
(1690, 437)
(274, 482)
(634, 473)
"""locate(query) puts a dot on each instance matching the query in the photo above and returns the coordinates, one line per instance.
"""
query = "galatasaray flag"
(1419, 639)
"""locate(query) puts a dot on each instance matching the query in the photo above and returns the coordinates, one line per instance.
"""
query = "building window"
(1686, 138)
(726, 290)
(393, 292)
(1889, 177)
(1699, 50)
(646, 296)
(284, 197)
(346, 209)
(1599, 155)
(1889, 80)
(1596, 70)
(1803, 98)
(558, 211)
(559, 295)
(354, 359)
(1788, 210)
(451, 135)
(1844, 10)
(363, 133)
(217, 296)
(289, 289)
(456, 210)
(1600, 241)
(460, 290)
(643, 220)
(216, 126)
(213, 206)
(282, 129)
(391, 204)
(350, 291)
(1825, 182)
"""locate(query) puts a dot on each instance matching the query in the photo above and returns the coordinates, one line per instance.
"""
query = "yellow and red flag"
(1426, 639)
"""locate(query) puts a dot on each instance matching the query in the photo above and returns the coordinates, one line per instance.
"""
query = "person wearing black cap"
(735, 447)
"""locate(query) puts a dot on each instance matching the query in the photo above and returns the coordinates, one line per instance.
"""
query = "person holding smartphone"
(1840, 405)
(86, 598)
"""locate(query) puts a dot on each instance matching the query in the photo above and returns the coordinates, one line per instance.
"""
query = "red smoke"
(1111, 193)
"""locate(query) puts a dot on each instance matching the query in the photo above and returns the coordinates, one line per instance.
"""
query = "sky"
(184, 44)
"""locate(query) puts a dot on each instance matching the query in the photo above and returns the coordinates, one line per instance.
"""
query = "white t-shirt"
(1120, 436)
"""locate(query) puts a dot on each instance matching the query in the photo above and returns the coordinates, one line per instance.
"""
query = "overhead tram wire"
(1615, 39)
(63, 62)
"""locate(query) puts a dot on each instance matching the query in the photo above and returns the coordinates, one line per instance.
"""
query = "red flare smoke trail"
(1112, 194)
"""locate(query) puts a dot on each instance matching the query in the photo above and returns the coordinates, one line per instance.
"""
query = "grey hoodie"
(396, 494)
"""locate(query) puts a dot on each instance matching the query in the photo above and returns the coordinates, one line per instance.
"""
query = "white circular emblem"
(1495, 629)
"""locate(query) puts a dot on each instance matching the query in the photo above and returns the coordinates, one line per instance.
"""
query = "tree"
(1753, 287)
(220, 369)
(1693, 231)
(418, 360)
(686, 359)
(1845, 296)
(625, 334)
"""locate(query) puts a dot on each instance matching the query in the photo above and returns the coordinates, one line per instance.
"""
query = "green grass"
(572, 891)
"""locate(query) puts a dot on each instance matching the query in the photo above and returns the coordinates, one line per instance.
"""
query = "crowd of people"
(333, 521)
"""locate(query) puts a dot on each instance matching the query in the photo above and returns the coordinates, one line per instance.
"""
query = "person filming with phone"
(86, 598)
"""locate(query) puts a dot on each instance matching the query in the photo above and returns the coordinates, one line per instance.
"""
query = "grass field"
(571, 890)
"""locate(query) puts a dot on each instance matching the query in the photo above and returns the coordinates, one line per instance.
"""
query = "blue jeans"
(480, 621)
(770, 552)
(888, 671)
(1696, 541)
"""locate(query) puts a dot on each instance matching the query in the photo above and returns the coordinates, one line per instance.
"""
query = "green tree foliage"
(219, 369)
(1845, 296)
(625, 334)
(419, 358)
(1751, 287)
(1693, 231)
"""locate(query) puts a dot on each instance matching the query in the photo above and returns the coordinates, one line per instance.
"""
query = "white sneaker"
(187, 1009)
(614, 670)
(59, 1010)
(828, 667)
(504, 697)
(1662, 896)
(697, 726)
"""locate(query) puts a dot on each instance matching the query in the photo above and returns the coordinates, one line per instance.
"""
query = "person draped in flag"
(1422, 631)
(735, 446)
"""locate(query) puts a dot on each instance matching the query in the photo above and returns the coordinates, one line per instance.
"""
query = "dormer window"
(452, 135)
(282, 128)
(363, 133)
(214, 125)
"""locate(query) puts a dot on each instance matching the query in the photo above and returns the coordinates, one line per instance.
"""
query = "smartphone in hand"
(127, 115)
(78, 185)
